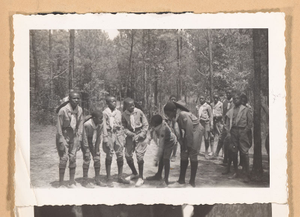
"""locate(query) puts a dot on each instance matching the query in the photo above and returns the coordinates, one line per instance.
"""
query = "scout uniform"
(135, 122)
(227, 105)
(68, 138)
(114, 134)
(91, 146)
(217, 117)
(239, 122)
(191, 136)
(206, 119)
(166, 140)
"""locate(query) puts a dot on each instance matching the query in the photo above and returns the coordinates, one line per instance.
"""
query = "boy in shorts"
(69, 136)
(113, 139)
(135, 127)
(91, 146)
(166, 140)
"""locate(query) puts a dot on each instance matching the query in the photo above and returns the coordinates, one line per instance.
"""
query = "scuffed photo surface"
(158, 63)
(203, 77)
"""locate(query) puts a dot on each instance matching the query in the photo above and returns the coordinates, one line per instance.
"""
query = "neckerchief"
(201, 109)
(112, 116)
(131, 117)
(73, 116)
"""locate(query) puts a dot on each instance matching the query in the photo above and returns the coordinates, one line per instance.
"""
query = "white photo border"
(25, 195)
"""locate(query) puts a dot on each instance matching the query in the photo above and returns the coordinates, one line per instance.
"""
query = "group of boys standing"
(127, 132)
(232, 121)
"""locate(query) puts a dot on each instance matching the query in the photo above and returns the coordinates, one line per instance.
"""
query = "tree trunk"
(179, 78)
(129, 90)
(257, 159)
(155, 88)
(71, 58)
(210, 64)
(51, 69)
(35, 64)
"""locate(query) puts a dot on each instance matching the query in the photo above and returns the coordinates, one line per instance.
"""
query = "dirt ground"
(44, 166)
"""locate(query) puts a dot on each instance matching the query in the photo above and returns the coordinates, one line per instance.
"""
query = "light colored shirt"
(135, 122)
(67, 117)
(112, 120)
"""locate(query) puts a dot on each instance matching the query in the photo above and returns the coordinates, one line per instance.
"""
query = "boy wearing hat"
(135, 127)
(91, 145)
(113, 139)
(191, 136)
(69, 136)
(166, 140)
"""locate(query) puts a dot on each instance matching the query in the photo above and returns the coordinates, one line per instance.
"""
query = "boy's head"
(229, 94)
(111, 102)
(156, 120)
(173, 98)
(202, 99)
(237, 98)
(97, 117)
(170, 110)
(74, 98)
(244, 99)
(129, 105)
(216, 98)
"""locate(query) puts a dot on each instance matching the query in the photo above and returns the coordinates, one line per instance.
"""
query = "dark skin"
(229, 95)
(173, 99)
(237, 102)
(97, 120)
(244, 101)
(129, 106)
(111, 103)
(216, 99)
(74, 99)
(170, 114)
(202, 100)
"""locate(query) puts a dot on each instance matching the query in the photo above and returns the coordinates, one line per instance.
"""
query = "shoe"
(123, 181)
(177, 185)
(247, 179)
(154, 178)
(99, 183)
(233, 176)
(162, 184)
(226, 172)
(109, 183)
(132, 177)
(72, 184)
(192, 184)
(139, 182)
(62, 185)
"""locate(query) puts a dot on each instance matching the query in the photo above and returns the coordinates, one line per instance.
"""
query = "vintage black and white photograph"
(148, 107)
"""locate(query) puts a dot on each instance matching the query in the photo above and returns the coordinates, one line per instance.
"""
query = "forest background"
(150, 65)
(146, 65)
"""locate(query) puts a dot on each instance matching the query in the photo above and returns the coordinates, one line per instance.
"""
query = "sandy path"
(44, 166)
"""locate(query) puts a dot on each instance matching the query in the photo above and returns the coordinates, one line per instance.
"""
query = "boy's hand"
(105, 140)
(136, 138)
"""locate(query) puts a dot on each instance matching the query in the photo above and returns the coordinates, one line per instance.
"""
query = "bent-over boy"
(91, 146)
